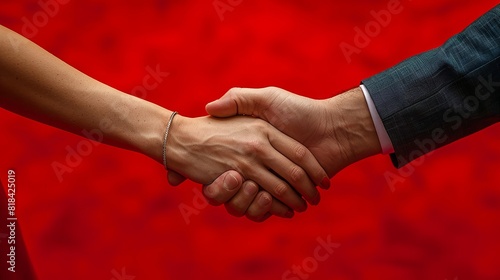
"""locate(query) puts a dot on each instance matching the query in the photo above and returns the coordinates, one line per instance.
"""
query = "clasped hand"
(331, 134)
(203, 148)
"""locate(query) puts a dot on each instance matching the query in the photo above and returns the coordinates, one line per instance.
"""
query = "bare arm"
(36, 84)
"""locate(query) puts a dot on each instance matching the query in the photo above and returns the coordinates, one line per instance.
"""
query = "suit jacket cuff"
(442, 95)
(383, 137)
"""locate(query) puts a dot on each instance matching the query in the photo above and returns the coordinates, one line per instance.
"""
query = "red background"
(116, 210)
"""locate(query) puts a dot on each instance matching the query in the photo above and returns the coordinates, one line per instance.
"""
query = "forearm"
(37, 85)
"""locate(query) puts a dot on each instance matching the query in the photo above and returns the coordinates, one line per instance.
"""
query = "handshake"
(264, 151)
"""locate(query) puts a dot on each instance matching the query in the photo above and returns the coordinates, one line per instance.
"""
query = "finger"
(239, 204)
(280, 210)
(306, 168)
(290, 172)
(260, 210)
(223, 188)
(175, 178)
(278, 188)
(295, 176)
(257, 102)
(240, 101)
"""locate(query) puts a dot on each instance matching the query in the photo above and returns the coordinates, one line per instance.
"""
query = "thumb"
(239, 101)
(223, 188)
(223, 107)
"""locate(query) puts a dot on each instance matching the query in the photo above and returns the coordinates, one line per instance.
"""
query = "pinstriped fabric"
(442, 95)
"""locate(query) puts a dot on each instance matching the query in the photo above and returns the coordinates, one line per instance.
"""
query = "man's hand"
(244, 198)
(338, 131)
(240, 197)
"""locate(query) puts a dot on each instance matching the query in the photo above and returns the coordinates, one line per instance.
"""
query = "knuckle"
(271, 89)
(254, 147)
(297, 174)
(300, 152)
(233, 91)
(280, 190)
(260, 125)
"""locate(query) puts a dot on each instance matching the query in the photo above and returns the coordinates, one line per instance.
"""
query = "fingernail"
(325, 183)
(211, 191)
(230, 182)
(289, 214)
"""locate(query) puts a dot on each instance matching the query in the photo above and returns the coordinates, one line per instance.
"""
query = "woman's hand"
(338, 131)
(37, 85)
(203, 148)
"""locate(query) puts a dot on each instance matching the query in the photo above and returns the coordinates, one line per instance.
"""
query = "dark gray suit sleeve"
(445, 94)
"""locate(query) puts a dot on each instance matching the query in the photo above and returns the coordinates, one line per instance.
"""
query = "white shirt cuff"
(383, 137)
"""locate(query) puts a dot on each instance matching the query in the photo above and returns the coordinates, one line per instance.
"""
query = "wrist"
(179, 137)
(147, 128)
(188, 149)
(351, 125)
